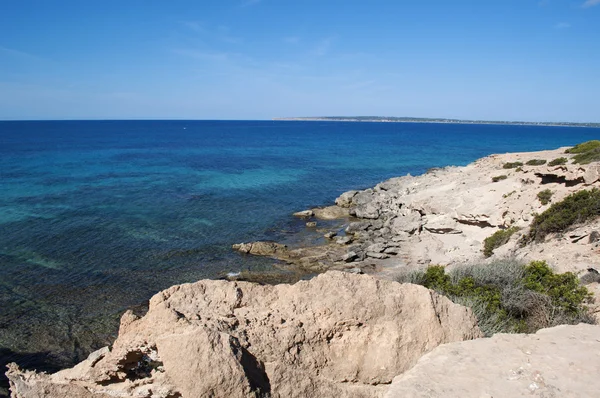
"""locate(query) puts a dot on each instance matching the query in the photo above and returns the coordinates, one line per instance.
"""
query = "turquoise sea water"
(96, 216)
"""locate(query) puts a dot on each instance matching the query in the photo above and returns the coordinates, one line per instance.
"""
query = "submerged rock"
(338, 334)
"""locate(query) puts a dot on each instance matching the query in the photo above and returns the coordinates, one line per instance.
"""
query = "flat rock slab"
(563, 361)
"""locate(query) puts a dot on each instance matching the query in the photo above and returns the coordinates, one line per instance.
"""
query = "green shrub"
(544, 196)
(575, 208)
(512, 165)
(586, 152)
(558, 162)
(563, 289)
(584, 147)
(497, 239)
(499, 178)
(535, 162)
(507, 296)
(519, 169)
(587, 157)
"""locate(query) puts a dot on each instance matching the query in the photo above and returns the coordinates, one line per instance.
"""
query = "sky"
(529, 60)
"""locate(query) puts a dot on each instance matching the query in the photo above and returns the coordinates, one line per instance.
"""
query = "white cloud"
(562, 25)
(590, 3)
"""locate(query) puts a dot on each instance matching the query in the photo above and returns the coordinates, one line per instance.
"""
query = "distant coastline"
(392, 119)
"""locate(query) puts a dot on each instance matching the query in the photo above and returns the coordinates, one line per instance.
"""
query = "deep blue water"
(96, 216)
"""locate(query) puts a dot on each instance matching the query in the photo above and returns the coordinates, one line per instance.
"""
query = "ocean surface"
(96, 216)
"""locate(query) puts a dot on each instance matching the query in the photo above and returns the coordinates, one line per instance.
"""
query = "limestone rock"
(304, 214)
(345, 199)
(338, 334)
(349, 257)
(330, 235)
(409, 223)
(563, 361)
(343, 240)
(330, 212)
(261, 248)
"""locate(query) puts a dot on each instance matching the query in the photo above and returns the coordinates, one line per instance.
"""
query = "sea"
(97, 216)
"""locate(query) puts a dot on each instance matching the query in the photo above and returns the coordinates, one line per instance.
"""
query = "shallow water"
(96, 216)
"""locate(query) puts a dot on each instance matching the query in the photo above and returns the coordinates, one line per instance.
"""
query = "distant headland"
(393, 119)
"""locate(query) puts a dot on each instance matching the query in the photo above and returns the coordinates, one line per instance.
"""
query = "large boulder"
(563, 361)
(338, 334)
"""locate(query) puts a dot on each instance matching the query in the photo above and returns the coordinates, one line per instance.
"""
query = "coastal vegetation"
(512, 165)
(497, 239)
(558, 162)
(574, 209)
(499, 178)
(586, 152)
(508, 296)
(545, 196)
(535, 162)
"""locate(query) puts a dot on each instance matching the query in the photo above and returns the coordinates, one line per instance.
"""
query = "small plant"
(499, 178)
(535, 162)
(512, 165)
(558, 162)
(519, 169)
(507, 296)
(575, 208)
(506, 195)
(544, 196)
(497, 239)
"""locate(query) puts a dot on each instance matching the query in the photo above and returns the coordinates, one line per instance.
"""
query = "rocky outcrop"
(337, 335)
(563, 361)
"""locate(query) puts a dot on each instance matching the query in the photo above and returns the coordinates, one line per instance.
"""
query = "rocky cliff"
(337, 335)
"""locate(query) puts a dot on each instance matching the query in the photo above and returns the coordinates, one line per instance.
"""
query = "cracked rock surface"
(339, 334)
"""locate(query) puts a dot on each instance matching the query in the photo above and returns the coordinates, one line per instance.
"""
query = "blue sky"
(258, 59)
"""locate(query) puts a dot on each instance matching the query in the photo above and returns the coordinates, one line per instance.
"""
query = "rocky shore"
(444, 216)
(349, 335)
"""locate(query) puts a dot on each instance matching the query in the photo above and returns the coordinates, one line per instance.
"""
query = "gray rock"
(343, 240)
(330, 235)
(345, 199)
(355, 270)
(311, 224)
(380, 256)
(304, 214)
(376, 248)
(369, 211)
(357, 226)
(349, 257)
(594, 237)
(392, 250)
(376, 224)
(363, 197)
(409, 223)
